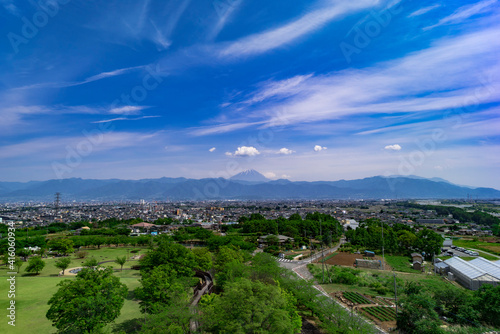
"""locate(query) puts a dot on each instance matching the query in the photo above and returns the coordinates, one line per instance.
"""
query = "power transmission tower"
(57, 202)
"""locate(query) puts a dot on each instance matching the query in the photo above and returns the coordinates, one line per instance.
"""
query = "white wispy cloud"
(109, 74)
(93, 78)
(212, 149)
(58, 147)
(273, 38)
(218, 129)
(224, 10)
(127, 110)
(395, 147)
(424, 10)
(125, 119)
(463, 13)
(10, 6)
(435, 78)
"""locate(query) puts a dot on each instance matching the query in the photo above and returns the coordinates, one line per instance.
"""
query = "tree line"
(398, 238)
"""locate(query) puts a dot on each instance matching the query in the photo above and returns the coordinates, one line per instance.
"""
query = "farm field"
(348, 259)
(33, 292)
(379, 310)
(434, 282)
(380, 313)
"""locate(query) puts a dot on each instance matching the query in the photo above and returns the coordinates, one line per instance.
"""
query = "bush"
(81, 254)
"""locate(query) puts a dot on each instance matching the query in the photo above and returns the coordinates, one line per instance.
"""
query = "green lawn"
(400, 263)
(33, 293)
(103, 254)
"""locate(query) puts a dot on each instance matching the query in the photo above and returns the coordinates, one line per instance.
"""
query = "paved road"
(291, 264)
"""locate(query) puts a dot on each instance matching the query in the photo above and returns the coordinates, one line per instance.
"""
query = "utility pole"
(395, 293)
(434, 262)
(322, 255)
(383, 256)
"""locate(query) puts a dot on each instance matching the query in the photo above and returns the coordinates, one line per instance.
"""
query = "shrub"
(81, 254)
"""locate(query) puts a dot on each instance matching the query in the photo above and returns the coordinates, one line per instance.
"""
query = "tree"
(488, 303)
(272, 240)
(251, 307)
(87, 303)
(173, 320)
(63, 264)
(429, 242)
(159, 288)
(227, 254)
(91, 263)
(203, 258)
(61, 246)
(35, 265)
(181, 258)
(24, 253)
(406, 239)
(417, 315)
(18, 263)
(121, 261)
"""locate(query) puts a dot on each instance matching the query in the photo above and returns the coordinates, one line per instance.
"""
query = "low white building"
(469, 275)
(350, 223)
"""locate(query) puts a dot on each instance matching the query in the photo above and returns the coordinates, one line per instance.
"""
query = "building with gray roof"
(490, 267)
(469, 275)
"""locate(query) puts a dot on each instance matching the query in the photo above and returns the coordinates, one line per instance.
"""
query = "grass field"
(103, 254)
(400, 263)
(33, 293)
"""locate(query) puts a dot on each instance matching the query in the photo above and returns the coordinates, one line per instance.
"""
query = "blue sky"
(304, 90)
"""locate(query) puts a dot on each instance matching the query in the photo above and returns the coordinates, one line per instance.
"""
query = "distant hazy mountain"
(249, 175)
(246, 185)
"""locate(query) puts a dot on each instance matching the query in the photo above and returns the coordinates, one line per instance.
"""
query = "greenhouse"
(470, 275)
(490, 267)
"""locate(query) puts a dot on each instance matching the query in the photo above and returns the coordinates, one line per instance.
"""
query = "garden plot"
(356, 298)
(380, 313)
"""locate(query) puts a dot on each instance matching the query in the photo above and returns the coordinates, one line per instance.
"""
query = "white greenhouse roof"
(467, 269)
(490, 267)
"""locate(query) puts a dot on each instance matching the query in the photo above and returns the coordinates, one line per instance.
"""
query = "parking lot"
(457, 251)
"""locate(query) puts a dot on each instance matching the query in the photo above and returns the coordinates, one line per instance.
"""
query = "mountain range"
(248, 185)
